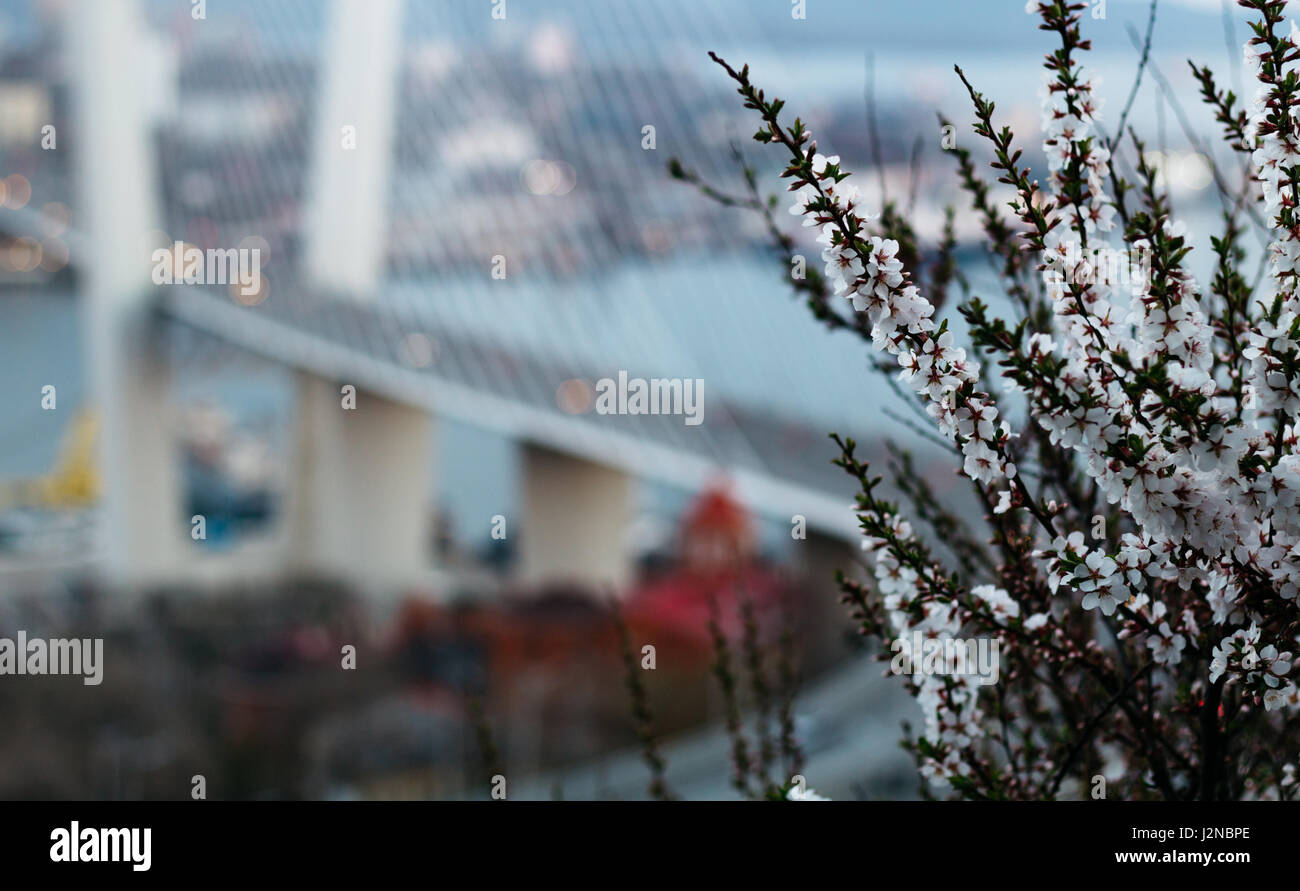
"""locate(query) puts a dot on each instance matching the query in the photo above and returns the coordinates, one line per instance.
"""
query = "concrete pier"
(576, 516)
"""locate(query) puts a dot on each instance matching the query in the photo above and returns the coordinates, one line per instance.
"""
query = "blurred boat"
(228, 473)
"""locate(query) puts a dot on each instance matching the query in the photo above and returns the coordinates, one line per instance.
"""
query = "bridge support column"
(359, 507)
(576, 516)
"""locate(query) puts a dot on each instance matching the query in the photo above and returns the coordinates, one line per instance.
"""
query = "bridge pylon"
(141, 528)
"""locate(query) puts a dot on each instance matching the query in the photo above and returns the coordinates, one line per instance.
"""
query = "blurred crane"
(73, 483)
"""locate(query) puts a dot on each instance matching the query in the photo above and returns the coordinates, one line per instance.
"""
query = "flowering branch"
(1156, 651)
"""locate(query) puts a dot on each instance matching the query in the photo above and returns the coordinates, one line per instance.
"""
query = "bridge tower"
(141, 532)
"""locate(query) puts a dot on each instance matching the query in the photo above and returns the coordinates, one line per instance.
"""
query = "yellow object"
(74, 481)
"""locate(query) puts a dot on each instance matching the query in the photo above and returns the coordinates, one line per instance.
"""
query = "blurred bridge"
(469, 234)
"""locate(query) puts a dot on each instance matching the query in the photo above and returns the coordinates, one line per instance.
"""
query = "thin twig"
(1137, 80)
